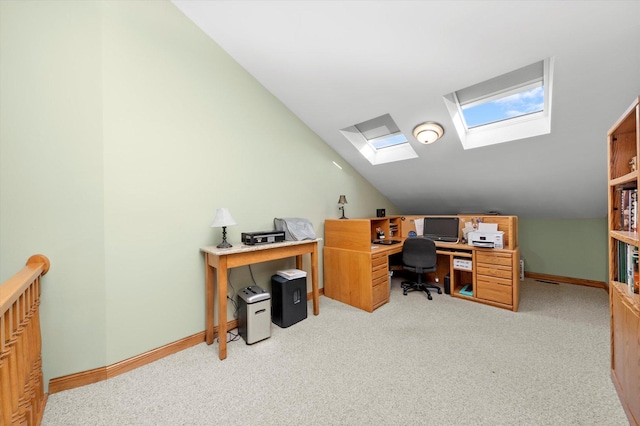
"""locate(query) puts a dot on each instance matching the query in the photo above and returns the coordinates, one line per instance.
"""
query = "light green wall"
(575, 248)
(51, 171)
(123, 128)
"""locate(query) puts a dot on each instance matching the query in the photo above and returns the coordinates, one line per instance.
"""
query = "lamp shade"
(427, 133)
(223, 218)
(342, 199)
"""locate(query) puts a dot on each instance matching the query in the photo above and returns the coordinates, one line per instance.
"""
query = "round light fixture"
(427, 133)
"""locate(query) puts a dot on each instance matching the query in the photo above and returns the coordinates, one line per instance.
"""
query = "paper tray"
(292, 274)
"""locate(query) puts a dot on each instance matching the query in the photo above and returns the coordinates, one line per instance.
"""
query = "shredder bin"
(254, 317)
(289, 300)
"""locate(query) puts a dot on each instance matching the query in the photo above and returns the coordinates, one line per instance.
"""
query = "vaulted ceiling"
(338, 63)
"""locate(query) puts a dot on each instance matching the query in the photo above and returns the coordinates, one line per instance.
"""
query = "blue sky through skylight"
(515, 105)
(386, 142)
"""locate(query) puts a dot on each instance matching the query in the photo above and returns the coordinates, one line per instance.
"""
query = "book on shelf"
(624, 210)
(629, 209)
(633, 269)
(621, 273)
(629, 263)
(634, 211)
(628, 266)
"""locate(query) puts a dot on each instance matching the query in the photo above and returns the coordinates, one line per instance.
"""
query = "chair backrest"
(419, 252)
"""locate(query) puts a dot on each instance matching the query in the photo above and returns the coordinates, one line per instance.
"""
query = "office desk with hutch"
(218, 261)
(356, 271)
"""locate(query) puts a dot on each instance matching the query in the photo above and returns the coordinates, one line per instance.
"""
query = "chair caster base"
(408, 286)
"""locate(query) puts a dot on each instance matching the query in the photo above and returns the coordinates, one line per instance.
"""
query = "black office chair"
(419, 256)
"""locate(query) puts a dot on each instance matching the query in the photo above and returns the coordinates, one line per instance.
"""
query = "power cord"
(234, 336)
(232, 297)
(251, 273)
(231, 335)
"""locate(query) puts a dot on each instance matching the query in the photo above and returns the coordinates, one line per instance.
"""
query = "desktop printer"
(253, 238)
(486, 236)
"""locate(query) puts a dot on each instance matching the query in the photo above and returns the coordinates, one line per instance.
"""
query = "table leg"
(221, 280)
(209, 292)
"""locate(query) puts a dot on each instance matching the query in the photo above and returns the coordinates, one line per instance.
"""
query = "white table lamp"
(222, 220)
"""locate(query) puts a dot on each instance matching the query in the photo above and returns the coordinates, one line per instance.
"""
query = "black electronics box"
(253, 238)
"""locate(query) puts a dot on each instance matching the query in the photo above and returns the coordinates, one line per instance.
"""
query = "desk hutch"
(356, 271)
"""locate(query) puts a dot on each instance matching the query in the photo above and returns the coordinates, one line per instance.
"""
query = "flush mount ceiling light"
(427, 133)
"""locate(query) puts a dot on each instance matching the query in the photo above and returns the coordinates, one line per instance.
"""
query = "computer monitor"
(444, 229)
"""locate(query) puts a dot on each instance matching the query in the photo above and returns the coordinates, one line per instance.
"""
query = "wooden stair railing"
(22, 397)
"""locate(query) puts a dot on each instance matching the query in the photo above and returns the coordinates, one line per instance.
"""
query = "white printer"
(487, 235)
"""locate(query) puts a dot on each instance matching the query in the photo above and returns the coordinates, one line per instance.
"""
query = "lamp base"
(341, 208)
(224, 244)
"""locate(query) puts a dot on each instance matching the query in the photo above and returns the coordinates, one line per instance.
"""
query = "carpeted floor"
(410, 362)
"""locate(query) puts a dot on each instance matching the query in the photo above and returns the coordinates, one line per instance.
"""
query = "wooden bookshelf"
(624, 302)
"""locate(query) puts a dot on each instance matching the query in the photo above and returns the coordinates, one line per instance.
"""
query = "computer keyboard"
(386, 242)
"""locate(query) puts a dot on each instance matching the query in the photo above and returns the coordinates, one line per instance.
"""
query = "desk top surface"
(242, 248)
(439, 244)
(451, 248)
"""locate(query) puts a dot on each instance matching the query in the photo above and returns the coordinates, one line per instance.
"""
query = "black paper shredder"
(288, 297)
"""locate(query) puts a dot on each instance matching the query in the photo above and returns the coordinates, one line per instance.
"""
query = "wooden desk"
(356, 271)
(218, 261)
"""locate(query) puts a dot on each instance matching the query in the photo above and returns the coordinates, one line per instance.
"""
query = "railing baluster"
(21, 379)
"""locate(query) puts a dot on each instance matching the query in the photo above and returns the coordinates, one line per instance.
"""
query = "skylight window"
(379, 140)
(505, 107)
(388, 140)
(513, 106)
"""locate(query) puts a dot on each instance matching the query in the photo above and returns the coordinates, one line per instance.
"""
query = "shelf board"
(464, 296)
(624, 179)
(626, 237)
(633, 299)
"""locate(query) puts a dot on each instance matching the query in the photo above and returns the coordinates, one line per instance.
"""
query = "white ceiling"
(338, 63)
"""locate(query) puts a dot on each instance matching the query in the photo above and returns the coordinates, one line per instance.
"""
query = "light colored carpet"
(410, 362)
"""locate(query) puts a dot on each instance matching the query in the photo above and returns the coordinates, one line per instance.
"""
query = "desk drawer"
(377, 261)
(379, 271)
(494, 289)
(382, 280)
(380, 292)
(494, 258)
(379, 267)
(495, 271)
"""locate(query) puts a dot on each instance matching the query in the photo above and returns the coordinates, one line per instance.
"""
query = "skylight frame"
(355, 134)
(507, 130)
